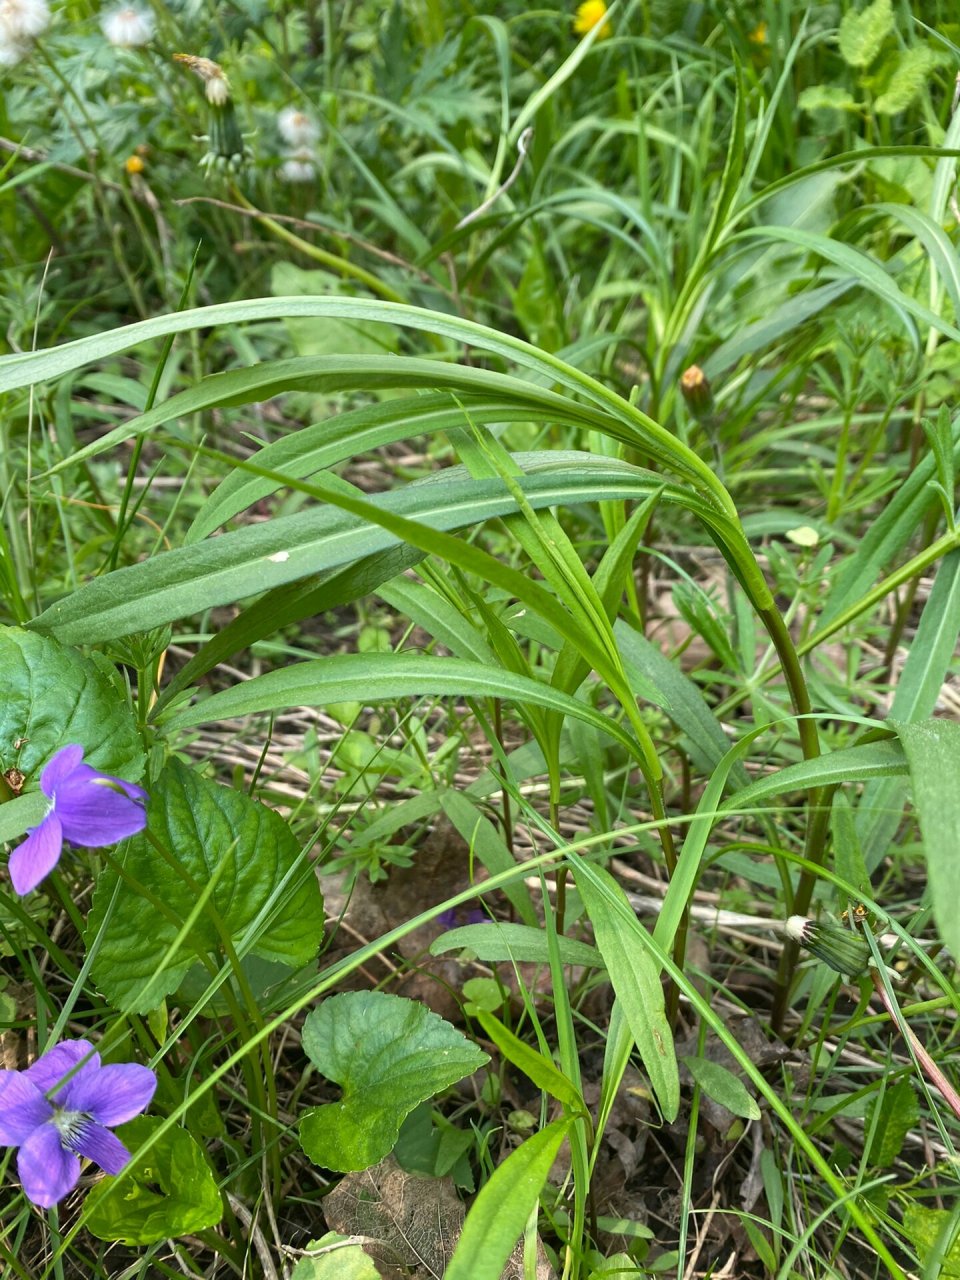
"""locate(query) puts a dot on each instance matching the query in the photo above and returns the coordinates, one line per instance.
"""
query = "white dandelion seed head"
(128, 26)
(297, 128)
(299, 167)
(11, 54)
(22, 21)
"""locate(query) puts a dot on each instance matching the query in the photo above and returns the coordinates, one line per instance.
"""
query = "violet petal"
(51, 1067)
(117, 1092)
(31, 861)
(46, 1170)
(102, 1147)
(59, 767)
(92, 813)
(23, 1108)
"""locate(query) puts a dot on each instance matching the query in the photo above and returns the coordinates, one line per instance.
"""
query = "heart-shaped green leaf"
(389, 1055)
(229, 865)
(51, 696)
(136, 1212)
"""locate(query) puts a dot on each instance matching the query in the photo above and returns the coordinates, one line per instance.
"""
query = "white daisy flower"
(297, 128)
(22, 20)
(299, 166)
(128, 26)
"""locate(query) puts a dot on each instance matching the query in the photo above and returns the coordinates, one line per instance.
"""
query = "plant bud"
(840, 948)
(696, 391)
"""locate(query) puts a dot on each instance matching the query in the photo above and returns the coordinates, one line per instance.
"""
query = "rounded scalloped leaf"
(215, 836)
(136, 1214)
(51, 696)
(388, 1054)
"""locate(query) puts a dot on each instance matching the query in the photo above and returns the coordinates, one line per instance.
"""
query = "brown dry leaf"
(409, 1221)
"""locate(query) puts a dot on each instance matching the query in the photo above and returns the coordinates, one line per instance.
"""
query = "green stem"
(342, 266)
(815, 844)
(914, 567)
(840, 466)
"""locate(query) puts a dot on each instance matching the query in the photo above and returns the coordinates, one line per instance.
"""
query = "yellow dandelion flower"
(134, 164)
(589, 15)
(759, 34)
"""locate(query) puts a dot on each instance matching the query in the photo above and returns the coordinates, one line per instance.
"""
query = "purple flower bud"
(62, 1108)
(86, 808)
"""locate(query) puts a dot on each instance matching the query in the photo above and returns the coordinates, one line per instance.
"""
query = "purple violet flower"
(448, 918)
(86, 807)
(55, 1123)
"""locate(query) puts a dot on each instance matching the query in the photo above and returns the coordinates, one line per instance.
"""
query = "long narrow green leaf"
(886, 537)
(933, 750)
(438, 617)
(486, 845)
(867, 270)
(373, 678)
(260, 557)
(347, 435)
(23, 370)
(939, 246)
(531, 1062)
(288, 604)
(659, 680)
(635, 980)
(327, 375)
(500, 1212)
(880, 809)
(852, 764)
(684, 879)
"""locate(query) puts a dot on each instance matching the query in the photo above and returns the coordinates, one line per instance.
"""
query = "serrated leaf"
(51, 696)
(213, 834)
(135, 1213)
(932, 749)
(861, 34)
(826, 97)
(388, 1055)
(924, 1228)
(720, 1084)
(910, 77)
(899, 1112)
